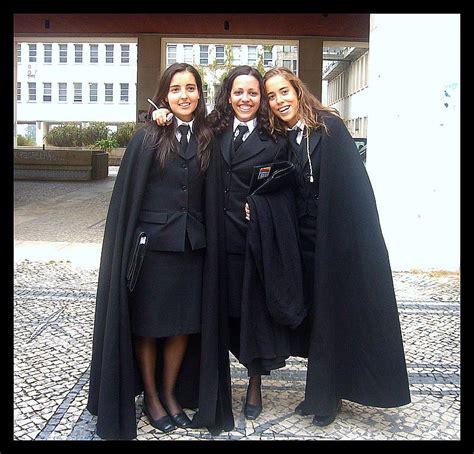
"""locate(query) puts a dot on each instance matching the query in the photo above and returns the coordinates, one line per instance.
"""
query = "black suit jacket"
(237, 168)
(172, 203)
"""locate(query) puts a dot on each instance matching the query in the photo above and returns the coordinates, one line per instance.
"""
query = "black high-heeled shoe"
(323, 421)
(252, 411)
(300, 409)
(181, 419)
(165, 424)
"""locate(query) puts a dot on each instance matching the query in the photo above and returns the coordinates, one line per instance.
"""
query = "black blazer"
(172, 203)
(237, 169)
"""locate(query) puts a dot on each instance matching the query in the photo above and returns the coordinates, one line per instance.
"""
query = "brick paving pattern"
(54, 303)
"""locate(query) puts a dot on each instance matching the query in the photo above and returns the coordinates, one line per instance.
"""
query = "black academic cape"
(272, 289)
(355, 350)
(114, 376)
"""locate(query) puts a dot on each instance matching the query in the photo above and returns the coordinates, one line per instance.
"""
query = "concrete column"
(148, 70)
(14, 93)
(413, 154)
(311, 64)
(41, 130)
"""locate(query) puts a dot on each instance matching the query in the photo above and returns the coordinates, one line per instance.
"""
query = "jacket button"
(226, 190)
(184, 187)
(225, 209)
(183, 208)
(228, 172)
(185, 166)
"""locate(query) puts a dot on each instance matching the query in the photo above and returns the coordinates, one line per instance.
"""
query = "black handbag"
(136, 260)
(271, 177)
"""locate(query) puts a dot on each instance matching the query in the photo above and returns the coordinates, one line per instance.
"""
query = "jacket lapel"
(314, 139)
(191, 149)
(253, 145)
(226, 146)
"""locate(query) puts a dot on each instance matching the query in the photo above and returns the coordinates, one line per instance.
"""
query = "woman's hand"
(247, 211)
(159, 115)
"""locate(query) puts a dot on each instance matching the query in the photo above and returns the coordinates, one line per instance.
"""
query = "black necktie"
(240, 138)
(183, 129)
(293, 134)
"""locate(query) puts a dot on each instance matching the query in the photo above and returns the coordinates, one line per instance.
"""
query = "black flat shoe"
(181, 419)
(252, 411)
(164, 424)
(300, 409)
(322, 421)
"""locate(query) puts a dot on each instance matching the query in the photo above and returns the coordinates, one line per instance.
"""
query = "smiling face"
(183, 95)
(245, 97)
(283, 99)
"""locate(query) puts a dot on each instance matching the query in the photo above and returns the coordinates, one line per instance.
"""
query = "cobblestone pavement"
(54, 297)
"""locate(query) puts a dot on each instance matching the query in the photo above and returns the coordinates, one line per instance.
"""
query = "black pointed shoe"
(181, 420)
(252, 411)
(322, 421)
(165, 424)
(300, 409)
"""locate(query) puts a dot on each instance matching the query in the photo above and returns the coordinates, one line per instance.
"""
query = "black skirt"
(167, 298)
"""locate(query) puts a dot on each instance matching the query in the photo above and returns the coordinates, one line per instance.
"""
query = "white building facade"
(80, 81)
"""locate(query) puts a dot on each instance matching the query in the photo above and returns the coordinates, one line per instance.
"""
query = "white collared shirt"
(299, 136)
(251, 124)
(181, 122)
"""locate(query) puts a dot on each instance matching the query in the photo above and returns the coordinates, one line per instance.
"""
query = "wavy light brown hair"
(309, 107)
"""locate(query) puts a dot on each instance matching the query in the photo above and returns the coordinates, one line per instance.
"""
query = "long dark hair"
(222, 116)
(163, 138)
(309, 107)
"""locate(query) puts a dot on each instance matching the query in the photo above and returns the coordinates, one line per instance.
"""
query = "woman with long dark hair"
(150, 321)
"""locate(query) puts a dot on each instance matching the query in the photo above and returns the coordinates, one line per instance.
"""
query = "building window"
(31, 91)
(295, 66)
(77, 91)
(62, 91)
(109, 53)
(124, 53)
(287, 64)
(286, 48)
(236, 55)
(94, 53)
(63, 53)
(171, 54)
(18, 91)
(47, 92)
(188, 53)
(205, 92)
(48, 53)
(252, 55)
(109, 92)
(267, 58)
(203, 54)
(32, 53)
(18, 52)
(124, 92)
(93, 92)
(77, 53)
(220, 55)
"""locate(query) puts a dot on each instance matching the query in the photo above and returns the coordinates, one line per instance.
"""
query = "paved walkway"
(58, 234)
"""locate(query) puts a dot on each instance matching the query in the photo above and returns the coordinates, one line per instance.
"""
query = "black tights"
(173, 353)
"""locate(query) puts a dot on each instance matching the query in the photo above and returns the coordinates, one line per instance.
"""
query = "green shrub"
(22, 141)
(124, 133)
(105, 144)
(65, 135)
(94, 132)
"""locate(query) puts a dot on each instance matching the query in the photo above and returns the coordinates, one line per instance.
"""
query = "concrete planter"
(60, 164)
(115, 156)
